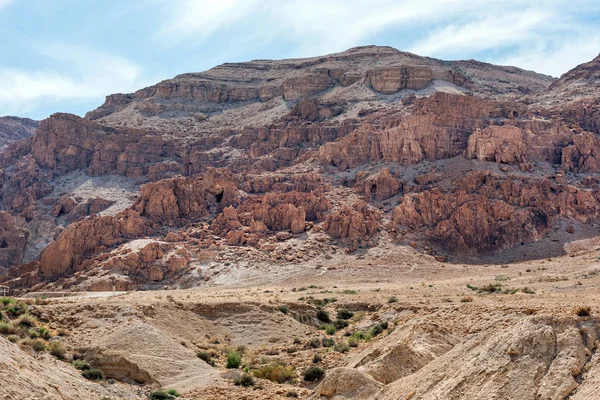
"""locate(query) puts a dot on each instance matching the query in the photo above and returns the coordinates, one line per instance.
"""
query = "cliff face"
(15, 128)
(463, 158)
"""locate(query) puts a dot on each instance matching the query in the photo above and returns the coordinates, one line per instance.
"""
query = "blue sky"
(66, 55)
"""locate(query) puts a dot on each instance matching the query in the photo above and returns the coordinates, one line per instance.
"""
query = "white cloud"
(438, 28)
(198, 19)
(4, 3)
(555, 58)
(81, 74)
(490, 32)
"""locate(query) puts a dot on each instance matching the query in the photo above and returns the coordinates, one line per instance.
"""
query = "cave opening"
(3, 244)
(219, 197)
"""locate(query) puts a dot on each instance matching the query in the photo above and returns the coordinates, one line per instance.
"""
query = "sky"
(67, 55)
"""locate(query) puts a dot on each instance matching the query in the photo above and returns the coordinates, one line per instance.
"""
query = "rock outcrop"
(15, 128)
(12, 241)
(84, 239)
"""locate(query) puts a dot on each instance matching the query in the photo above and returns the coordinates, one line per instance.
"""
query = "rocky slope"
(173, 183)
(15, 128)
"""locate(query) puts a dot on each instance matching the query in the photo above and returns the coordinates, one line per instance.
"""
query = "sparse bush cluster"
(23, 328)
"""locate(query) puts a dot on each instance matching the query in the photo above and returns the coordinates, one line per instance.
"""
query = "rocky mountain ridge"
(15, 128)
(456, 159)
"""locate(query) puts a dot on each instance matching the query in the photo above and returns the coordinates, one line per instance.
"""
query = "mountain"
(15, 128)
(364, 225)
(461, 160)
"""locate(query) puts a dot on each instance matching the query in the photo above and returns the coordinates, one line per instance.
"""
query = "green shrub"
(234, 360)
(345, 314)
(13, 338)
(205, 356)
(6, 329)
(17, 309)
(315, 343)
(323, 316)
(317, 358)
(377, 329)
(44, 333)
(276, 372)
(284, 309)
(57, 350)
(27, 321)
(340, 323)
(327, 342)
(341, 347)
(244, 380)
(392, 299)
(6, 301)
(161, 396)
(35, 344)
(173, 392)
(93, 374)
(330, 329)
(352, 342)
(313, 374)
(82, 365)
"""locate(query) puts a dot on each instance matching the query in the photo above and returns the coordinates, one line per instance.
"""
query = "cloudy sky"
(66, 55)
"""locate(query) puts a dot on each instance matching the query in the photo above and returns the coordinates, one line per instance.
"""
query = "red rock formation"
(390, 80)
(81, 240)
(12, 241)
(484, 212)
(380, 186)
(354, 225)
(177, 200)
(583, 155)
(502, 144)
(14, 128)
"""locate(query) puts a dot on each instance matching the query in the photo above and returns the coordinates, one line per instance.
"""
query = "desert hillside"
(400, 227)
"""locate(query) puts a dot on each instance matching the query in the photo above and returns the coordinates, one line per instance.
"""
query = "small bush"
(317, 358)
(392, 299)
(323, 316)
(352, 342)
(276, 372)
(17, 309)
(584, 311)
(57, 350)
(35, 344)
(330, 329)
(93, 374)
(44, 333)
(173, 392)
(341, 347)
(314, 343)
(327, 342)
(340, 323)
(376, 330)
(313, 374)
(81, 365)
(244, 380)
(234, 360)
(161, 396)
(292, 394)
(205, 356)
(26, 321)
(284, 309)
(344, 314)
(6, 301)
(6, 329)
(13, 338)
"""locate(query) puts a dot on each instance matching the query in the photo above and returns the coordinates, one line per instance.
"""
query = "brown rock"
(12, 241)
